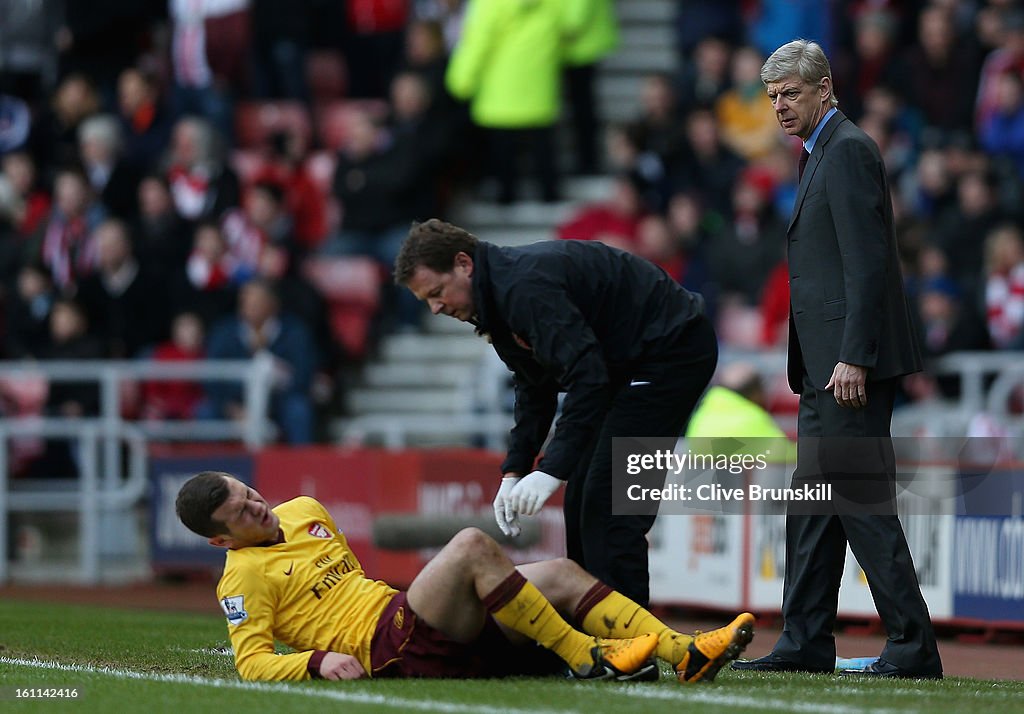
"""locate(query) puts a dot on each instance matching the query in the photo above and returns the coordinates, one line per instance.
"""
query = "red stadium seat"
(351, 286)
(332, 119)
(257, 121)
(326, 75)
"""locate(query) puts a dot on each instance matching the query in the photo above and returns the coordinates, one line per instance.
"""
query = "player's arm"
(249, 603)
(564, 343)
(534, 410)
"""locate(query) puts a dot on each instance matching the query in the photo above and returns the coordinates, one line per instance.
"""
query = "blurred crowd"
(184, 179)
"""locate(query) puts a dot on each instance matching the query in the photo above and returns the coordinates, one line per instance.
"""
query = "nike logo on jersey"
(290, 568)
(638, 383)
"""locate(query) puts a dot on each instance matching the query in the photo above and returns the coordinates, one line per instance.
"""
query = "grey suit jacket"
(847, 302)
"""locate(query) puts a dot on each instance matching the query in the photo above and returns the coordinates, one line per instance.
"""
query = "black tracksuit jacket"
(578, 317)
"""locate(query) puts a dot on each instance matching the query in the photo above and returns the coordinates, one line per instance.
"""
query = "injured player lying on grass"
(290, 576)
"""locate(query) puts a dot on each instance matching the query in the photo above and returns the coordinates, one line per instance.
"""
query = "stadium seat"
(332, 119)
(257, 121)
(351, 286)
(326, 75)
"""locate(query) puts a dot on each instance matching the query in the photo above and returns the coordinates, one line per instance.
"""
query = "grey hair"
(103, 128)
(204, 134)
(803, 58)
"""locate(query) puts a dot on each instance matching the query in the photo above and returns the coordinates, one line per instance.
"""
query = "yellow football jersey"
(308, 592)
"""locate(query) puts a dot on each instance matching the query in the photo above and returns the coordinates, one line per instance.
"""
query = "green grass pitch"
(138, 661)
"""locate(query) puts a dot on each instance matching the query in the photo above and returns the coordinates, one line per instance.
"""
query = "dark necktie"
(803, 162)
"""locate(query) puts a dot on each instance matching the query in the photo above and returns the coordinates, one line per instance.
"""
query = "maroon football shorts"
(405, 646)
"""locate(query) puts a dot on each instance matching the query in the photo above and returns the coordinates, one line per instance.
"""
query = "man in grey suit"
(850, 339)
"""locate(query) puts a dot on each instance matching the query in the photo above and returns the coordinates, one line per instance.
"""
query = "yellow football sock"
(615, 615)
(520, 606)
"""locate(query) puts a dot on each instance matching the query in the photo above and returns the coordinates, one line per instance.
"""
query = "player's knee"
(471, 542)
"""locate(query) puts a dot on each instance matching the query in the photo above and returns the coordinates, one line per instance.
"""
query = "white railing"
(489, 421)
(106, 487)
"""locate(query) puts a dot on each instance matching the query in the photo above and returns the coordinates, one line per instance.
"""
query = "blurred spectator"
(208, 283)
(745, 114)
(1001, 133)
(161, 235)
(626, 155)
(929, 189)
(261, 327)
(658, 123)
(210, 56)
(261, 220)
(1008, 56)
(28, 313)
(54, 139)
(34, 203)
(939, 74)
(374, 182)
(176, 399)
(284, 166)
(299, 298)
(614, 222)
(98, 39)
(202, 184)
(280, 39)
(15, 123)
(772, 23)
(704, 79)
(737, 407)
(1004, 287)
(64, 242)
(947, 324)
(858, 71)
(896, 126)
(421, 134)
(69, 340)
(654, 241)
(125, 306)
(145, 123)
(959, 230)
(594, 35)
(507, 65)
(373, 44)
(743, 255)
(774, 306)
(427, 56)
(11, 247)
(699, 19)
(28, 56)
(112, 178)
(705, 167)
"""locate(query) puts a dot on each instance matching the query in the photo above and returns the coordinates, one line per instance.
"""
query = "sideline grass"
(135, 661)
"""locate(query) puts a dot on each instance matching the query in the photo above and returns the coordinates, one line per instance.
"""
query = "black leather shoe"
(880, 669)
(773, 663)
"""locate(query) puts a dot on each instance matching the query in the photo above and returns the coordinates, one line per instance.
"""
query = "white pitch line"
(318, 693)
(687, 695)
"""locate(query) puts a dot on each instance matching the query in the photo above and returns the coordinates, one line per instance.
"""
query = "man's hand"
(849, 384)
(530, 494)
(335, 665)
(504, 513)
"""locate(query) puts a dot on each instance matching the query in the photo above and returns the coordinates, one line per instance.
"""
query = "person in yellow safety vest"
(735, 408)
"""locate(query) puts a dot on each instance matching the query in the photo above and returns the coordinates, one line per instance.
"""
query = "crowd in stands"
(938, 84)
(190, 178)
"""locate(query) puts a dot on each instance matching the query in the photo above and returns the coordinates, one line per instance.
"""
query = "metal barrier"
(104, 484)
(491, 417)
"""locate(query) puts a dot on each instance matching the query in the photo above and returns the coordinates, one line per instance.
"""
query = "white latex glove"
(532, 491)
(504, 513)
